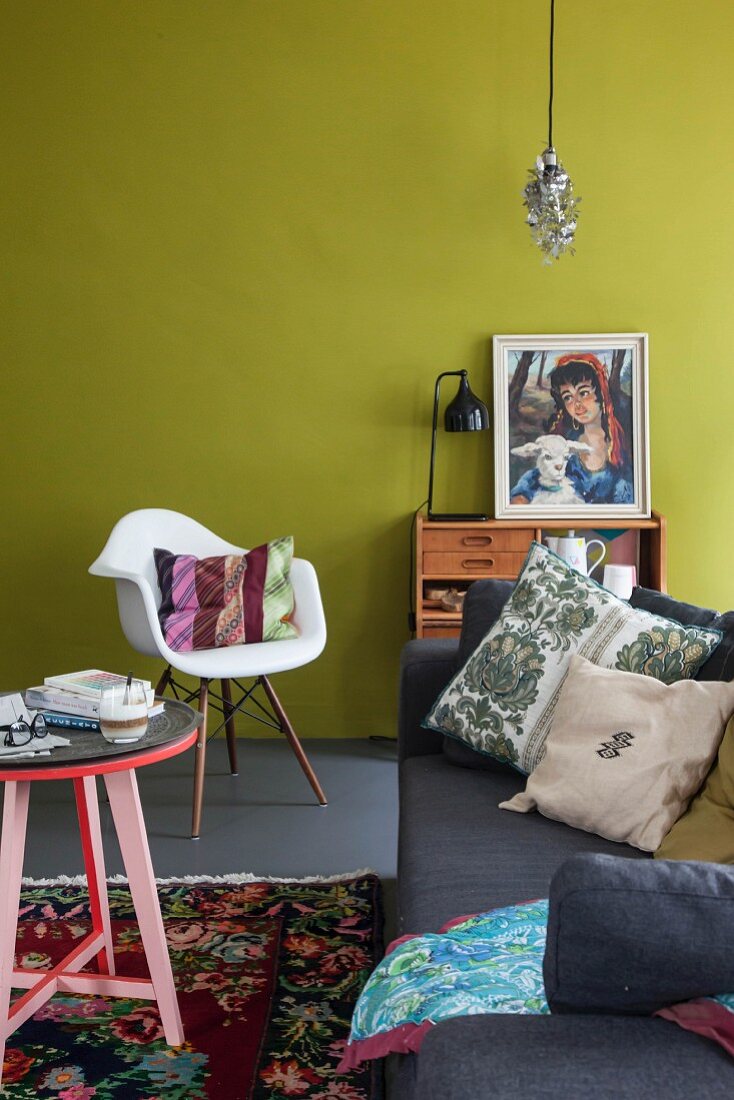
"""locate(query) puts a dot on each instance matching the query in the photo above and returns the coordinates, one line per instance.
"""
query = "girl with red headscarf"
(585, 412)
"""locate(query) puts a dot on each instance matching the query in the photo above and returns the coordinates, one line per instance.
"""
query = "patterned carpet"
(267, 974)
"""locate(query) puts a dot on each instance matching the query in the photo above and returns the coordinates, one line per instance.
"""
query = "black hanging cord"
(550, 101)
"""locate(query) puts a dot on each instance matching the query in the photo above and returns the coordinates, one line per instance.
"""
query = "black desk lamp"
(466, 413)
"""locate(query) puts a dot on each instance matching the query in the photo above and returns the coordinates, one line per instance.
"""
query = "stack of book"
(72, 701)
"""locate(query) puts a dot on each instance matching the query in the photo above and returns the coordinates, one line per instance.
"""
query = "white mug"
(620, 579)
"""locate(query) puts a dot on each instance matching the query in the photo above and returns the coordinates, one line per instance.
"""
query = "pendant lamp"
(549, 197)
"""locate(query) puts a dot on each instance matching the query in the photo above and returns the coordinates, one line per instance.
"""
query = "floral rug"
(267, 974)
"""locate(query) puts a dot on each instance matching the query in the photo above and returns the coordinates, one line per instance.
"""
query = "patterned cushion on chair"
(230, 600)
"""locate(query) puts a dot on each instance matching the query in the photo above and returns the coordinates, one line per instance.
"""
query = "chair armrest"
(426, 666)
(138, 611)
(308, 614)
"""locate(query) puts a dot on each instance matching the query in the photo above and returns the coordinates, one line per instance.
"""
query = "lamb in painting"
(551, 454)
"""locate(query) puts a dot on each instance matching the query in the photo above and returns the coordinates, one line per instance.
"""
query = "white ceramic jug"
(575, 552)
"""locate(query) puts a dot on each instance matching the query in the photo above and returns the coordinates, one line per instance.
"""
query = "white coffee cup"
(620, 579)
(123, 712)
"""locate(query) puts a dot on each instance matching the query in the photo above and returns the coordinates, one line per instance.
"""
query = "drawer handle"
(477, 563)
(477, 540)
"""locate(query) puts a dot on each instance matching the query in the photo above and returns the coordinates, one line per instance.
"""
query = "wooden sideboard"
(453, 554)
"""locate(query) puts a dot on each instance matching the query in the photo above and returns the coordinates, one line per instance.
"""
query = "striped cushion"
(230, 600)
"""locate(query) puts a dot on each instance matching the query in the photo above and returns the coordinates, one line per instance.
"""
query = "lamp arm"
(444, 374)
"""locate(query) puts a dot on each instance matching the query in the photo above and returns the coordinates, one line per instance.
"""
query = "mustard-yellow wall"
(241, 238)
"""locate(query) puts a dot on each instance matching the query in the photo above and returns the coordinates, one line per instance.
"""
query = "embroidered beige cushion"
(626, 753)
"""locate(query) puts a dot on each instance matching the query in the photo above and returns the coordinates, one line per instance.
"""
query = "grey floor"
(264, 820)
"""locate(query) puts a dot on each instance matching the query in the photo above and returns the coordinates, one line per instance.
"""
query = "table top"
(168, 734)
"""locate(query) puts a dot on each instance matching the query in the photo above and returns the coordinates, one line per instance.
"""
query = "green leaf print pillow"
(501, 703)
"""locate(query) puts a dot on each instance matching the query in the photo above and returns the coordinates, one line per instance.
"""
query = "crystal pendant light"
(552, 205)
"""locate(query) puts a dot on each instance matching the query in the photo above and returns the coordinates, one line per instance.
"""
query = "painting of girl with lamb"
(568, 429)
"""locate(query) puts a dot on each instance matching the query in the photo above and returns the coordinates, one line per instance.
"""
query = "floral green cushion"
(502, 701)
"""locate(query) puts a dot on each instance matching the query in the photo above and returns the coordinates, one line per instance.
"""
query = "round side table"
(87, 756)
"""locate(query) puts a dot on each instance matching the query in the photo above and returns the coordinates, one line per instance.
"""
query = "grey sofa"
(460, 854)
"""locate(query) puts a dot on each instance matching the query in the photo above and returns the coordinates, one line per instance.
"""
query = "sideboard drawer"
(460, 539)
(474, 562)
(441, 630)
(453, 554)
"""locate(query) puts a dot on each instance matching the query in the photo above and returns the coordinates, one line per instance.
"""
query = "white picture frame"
(602, 414)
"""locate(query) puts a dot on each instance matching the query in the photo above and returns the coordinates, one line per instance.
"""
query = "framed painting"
(571, 427)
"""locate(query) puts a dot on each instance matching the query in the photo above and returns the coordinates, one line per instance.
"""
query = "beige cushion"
(626, 753)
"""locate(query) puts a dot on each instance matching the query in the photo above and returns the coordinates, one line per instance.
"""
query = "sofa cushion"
(426, 666)
(230, 599)
(502, 701)
(626, 753)
(568, 1058)
(459, 853)
(633, 937)
(482, 608)
(706, 829)
(464, 756)
(720, 665)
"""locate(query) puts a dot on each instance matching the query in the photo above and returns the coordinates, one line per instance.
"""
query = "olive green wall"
(241, 238)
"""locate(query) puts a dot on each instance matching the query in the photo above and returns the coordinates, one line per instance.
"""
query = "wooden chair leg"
(200, 761)
(163, 682)
(295, 744)
(230, 727)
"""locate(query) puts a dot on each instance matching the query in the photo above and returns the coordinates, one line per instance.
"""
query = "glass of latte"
(123, 712)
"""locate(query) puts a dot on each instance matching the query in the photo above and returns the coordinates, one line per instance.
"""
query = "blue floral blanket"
(488, 963)
(491, 962)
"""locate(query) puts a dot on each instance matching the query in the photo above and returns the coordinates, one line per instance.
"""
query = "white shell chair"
(128, 560)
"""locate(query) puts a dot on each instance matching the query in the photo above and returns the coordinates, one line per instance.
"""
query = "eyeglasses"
(21, 732)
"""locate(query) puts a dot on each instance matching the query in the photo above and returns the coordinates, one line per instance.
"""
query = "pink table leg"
(127, 813)
(12, 846)
(87, 807)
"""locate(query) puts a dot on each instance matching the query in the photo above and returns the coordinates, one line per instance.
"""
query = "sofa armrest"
(632, 936)
(559, 1057)
(426, 666)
